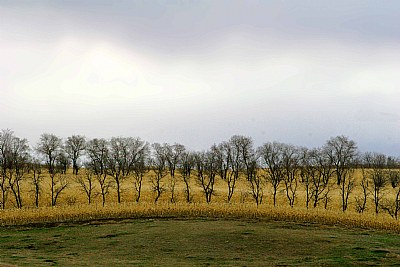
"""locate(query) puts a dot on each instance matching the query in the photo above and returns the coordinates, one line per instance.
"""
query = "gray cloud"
(178, 26)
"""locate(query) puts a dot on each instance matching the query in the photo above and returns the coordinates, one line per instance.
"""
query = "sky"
(198, 72)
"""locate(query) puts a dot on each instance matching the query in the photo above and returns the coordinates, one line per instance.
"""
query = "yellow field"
(72, 205)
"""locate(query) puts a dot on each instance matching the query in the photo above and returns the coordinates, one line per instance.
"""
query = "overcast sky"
(197, 72)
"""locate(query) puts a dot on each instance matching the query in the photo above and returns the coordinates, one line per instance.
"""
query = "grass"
(197, 242)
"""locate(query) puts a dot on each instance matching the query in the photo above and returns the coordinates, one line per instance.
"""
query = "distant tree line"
(106, 164)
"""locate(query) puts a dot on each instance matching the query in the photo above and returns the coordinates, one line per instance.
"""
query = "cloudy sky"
(197, 72)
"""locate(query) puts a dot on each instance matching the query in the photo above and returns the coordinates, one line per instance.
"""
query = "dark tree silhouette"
(74, 147)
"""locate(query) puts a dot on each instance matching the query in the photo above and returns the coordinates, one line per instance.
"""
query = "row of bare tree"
(106, 164)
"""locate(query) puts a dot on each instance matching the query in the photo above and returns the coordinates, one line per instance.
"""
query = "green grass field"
(173, 242)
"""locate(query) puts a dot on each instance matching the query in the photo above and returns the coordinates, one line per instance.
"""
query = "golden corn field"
(72, 205)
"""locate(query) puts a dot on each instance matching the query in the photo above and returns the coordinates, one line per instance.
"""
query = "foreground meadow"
(171, 242)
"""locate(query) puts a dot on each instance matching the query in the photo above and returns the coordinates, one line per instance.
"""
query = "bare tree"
(6, 137)
(173, 153)
(249, 165)
(247, 154)
(37, 178)
(255, 180)
(307, 172)
(97, 152)
(393, 163)
(60, 181)
(117, 162)
(19, 159)
(62, 161)
(223, 163)
(123, 155)
(4, 190)
(378, 176)
(236, 144)
(290, 164)
(316, 172)
(393, 206)
(74, 147)
(230, 161)
(128, 155)
(50, 146)
(185, 167)
(14, 157)
(86, 183)
(324, 174)
(361, 202)
(342, 152)
(159, 164)
(272, 164)
(140, 168)
(206, 167)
